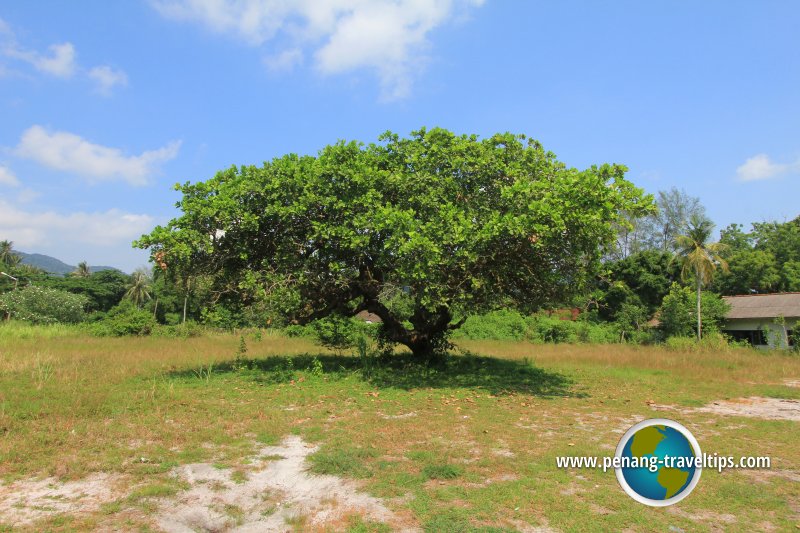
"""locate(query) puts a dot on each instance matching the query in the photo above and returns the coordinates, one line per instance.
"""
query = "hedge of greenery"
(539, 328)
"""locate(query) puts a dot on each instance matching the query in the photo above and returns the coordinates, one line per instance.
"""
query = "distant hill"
(53, 265)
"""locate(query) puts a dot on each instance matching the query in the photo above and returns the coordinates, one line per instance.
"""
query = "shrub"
(511, 325)
(296, 330)
(179, 331)
(678, 313)
(221, 317)
(43, 305)
(504, 324)
(335, 332)
(123, 320)
(547, 329)
(595, 333)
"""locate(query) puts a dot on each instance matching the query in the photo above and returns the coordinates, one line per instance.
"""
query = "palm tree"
(8, 256)
(82, 270)
(139, 288)
(699, 257)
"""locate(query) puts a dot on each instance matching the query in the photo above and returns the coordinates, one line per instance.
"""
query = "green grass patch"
(442, 471)
(345, 462)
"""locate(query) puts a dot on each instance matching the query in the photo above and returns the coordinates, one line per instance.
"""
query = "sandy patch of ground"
(791, 382)
(717, 520)
(755, 407)
(25, 501)
(768, 408)
(277, 491)
(274, 492)
(400, 416)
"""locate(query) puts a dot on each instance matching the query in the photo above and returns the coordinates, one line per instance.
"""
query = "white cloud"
(761, 167)
(107, 234)
(59, 61)
(106, 78)
(72, 153)
(388, 37)
(31, 228)
(7, 177)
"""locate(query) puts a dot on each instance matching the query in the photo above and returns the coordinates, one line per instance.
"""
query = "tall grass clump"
(711, 342)
(16, 329)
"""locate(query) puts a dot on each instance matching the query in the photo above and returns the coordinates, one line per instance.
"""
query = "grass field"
(468, 446)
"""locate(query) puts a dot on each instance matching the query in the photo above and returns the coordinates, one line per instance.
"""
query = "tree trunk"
(185, 300)
(155, 308)
(699, 319)
(424, 349)
(427, 340)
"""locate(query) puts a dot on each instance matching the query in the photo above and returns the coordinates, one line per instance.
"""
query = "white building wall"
(775, 334)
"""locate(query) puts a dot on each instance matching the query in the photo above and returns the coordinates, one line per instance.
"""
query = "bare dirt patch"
(767, 408)
(273, 492)
(277, 492)
(754, 407)
(718, 520)
(26, 501)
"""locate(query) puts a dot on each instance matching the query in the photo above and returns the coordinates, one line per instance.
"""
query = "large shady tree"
(445, 225)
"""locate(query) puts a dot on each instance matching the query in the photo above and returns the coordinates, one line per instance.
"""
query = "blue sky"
(105, 105)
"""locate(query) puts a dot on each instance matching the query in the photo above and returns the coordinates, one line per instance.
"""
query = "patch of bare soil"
(25, 501)
(277, 492)
(756, 407)
(717, 521)
(767, 408)
(791, 382)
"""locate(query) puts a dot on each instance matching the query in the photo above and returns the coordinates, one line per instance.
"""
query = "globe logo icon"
(659, 462)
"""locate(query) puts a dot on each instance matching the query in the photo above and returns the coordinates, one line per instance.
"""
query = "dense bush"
(501, 325)
(43, 305)
(222, 317)
(182, 331)
(335, 332)
(544, 328)
(124, 319)
(541, 328)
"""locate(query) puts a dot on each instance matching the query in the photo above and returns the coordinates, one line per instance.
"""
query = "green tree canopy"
(104, 289)
(455, 223)
(765, 260)
(641, 279)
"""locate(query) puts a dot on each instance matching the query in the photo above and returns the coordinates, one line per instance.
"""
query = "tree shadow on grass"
(402, 371)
